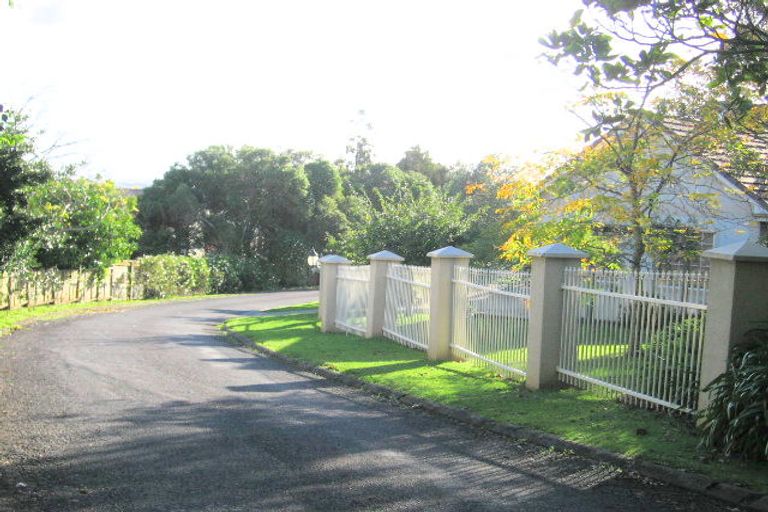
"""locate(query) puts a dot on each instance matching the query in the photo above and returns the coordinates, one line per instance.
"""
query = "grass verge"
(580, 416)
(295, 307)
(11, 320)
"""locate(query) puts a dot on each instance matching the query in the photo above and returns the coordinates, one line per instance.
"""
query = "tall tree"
(19, 171)
(639, 186)
(418, 160)
(253, 204)
(379, 179)
(82, 223)
(408, 224)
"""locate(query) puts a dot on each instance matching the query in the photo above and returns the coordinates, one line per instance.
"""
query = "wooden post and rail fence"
(37, 288)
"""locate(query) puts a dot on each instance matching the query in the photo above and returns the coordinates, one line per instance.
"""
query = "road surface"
(149, 409)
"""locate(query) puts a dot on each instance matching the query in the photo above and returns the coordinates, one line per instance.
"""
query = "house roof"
(754, 183)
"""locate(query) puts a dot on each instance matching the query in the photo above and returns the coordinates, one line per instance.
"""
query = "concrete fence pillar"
(377, 291)
(329, 269)
(441, 299)
(737, 302)
(546, 311)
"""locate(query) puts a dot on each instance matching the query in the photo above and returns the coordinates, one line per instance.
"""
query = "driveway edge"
(729, 493)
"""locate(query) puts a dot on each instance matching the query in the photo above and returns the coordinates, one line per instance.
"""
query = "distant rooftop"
(132, 191)
(754, 182)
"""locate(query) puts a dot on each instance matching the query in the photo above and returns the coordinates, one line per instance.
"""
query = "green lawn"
(576, 415)
(11, 320)
(296, 307)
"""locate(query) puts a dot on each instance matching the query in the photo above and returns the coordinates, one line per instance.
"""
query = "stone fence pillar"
(441, 299)
(377, 291)
(546, 312)
(329, 269)
(737, 302)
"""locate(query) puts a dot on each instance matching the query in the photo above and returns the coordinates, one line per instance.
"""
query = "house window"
(707, 242)
(764, 230)
(690, 260)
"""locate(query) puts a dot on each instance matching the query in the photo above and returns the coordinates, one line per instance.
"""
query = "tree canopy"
(19, 170)
(639, 188)
(616, 43)
(408, 224)
(82, 223)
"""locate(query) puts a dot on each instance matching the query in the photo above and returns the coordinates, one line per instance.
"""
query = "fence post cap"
(449, 252)
(557, 251)
(746, 250)
(385, 256)
(334, 259)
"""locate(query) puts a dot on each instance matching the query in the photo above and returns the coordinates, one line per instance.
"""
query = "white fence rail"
(406, 313)
(352, 298)
(639, 335)
(490, 318)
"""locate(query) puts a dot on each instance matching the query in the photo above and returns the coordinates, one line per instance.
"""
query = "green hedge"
(169, 274)
(165, 275)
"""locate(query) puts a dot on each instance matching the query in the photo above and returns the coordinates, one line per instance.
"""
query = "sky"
(130, 88)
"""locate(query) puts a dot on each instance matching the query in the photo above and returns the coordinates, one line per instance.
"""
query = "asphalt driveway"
(150, 409)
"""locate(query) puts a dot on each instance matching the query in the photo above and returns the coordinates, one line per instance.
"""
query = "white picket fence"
(639, 335)
(406, 313)
(352, 298)
(490, 317)
(634, 335)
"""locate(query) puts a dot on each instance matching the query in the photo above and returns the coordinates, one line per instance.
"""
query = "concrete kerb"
(729, 493)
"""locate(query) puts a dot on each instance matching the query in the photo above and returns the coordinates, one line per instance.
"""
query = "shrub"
(736, 420)
(231, 274)
(168, 274)
(678, 353)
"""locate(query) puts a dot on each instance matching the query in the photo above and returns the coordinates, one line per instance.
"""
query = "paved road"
(148, 409)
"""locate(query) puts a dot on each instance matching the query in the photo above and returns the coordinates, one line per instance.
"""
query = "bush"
(678, 353)
(232, 274)
(168, 274)
(736, 420)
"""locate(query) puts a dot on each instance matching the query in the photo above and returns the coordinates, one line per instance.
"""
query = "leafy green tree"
(250, 204)
(478, 188)
(418, 160)
(542, 213)
(408, 224)
(385, 180)
(324, 180)
(611, 198)
(82, 223)
(616, 43)
(19, 171)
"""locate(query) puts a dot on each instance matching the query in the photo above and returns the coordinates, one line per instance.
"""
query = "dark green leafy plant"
(736, 420)
(168, 274)
(233, 274)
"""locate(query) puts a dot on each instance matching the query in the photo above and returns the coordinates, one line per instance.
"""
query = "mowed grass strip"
(295, 307)
(14, 319)
(585, 417)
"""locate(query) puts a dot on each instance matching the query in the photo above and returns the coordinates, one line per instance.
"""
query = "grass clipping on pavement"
(585, 417)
